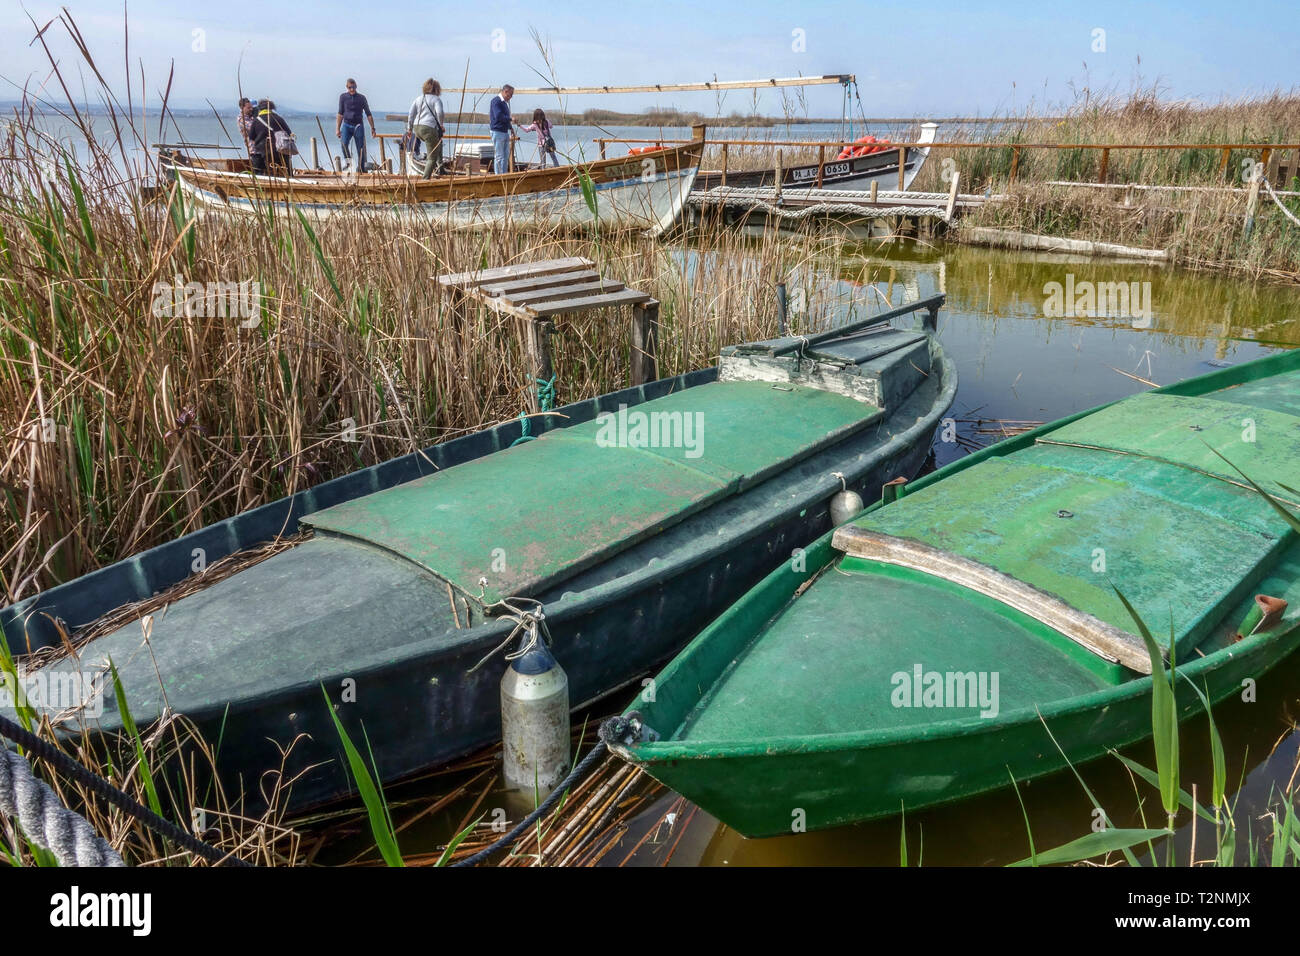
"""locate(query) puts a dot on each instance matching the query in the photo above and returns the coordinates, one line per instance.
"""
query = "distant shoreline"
(594, 117)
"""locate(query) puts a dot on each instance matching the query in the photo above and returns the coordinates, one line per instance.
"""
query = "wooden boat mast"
(708, 85)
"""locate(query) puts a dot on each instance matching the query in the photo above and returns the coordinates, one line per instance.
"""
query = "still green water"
(1021, 356)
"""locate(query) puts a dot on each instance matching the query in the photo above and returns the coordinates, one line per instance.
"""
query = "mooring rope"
(45, 821)
(545, 402)
(624, 730)
(97, 785)
(532, 622)
(1287, 212)
(581, 770)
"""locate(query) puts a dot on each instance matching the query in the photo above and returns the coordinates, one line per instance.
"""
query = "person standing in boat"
(500, 124)
(545, 141)
(347, 124)
(427, 121)
(246, 112)
(269, 133)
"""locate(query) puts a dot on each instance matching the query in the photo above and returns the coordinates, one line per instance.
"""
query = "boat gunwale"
(647, 753)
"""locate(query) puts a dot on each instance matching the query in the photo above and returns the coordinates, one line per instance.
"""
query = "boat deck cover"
(1131, 495)
(536, 514)
(1262, 441)
(834, 661)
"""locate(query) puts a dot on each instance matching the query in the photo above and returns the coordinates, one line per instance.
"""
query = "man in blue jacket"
(347, 124)
(501, 125)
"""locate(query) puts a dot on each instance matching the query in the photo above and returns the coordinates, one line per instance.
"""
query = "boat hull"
(646, 192)
(773, 742)
(420, 702)
(821, 783)
(854, 173)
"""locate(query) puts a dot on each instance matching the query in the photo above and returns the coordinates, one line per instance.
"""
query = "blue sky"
(921, 58)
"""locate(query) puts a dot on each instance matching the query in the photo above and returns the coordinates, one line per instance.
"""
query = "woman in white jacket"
(427, 121)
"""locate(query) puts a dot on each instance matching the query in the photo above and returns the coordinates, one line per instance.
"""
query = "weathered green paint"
(1006, 514)
(536, 514)
(1188, 430)
(788, 707)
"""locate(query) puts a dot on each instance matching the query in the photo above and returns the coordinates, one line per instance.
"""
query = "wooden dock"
(903, 211)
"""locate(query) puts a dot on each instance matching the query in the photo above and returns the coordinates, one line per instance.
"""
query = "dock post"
(724, 164)
(602, 148)
(1015, 164)
(539, 348)
(952, 197)
(902, 167)
(821, 164)
(338, 164)
(1223, 163)
(315, 153)
(780, 309)
(383, 159)
(875, 188)
(780, 175)
(645, 338)
(1252, 201)
(1105, 165)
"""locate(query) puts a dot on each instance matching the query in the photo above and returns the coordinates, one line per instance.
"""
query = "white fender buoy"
(845, 504)
(535, 721)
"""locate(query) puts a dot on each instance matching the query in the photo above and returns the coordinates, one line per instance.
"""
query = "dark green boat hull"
(376, 631)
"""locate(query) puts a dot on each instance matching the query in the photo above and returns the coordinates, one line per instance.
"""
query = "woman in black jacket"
(267, 158)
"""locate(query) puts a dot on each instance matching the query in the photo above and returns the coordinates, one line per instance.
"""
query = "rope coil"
(45, 821)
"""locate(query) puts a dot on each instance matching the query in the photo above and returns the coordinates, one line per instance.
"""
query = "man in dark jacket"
(267, 157)
(501, 125)
(347, 124)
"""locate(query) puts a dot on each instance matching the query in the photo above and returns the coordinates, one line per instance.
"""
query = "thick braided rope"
(47, 822)
(114, 795)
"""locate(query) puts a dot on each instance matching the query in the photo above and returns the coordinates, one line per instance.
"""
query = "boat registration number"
(831, 169)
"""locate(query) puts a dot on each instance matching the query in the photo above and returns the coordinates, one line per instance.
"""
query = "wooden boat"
(643, 191)
(933, 642)
(855, 172)
(629, 542)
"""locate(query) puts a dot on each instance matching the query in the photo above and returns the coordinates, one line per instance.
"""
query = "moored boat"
(869, 161)
(632, 525)
(946, 642)
(644, 191)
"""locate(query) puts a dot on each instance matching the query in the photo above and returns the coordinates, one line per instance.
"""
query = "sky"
(936, 58)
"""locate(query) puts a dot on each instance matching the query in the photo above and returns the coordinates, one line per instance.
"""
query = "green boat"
(927, 647)
(633, 520)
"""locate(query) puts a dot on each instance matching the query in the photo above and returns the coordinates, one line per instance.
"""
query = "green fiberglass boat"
(926, 648)
(633, 520)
